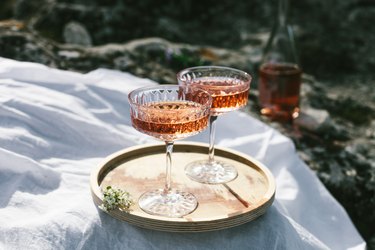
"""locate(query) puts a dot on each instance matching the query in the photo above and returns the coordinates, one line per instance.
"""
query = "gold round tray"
(142, 168)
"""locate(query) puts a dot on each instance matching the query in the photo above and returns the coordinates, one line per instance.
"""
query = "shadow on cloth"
(19, 173)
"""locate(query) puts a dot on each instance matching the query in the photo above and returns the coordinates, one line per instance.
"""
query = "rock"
(313, 119)
(69, 54)
(23, 46)
(370, 131)
(124, 63)
(76, 33)
(11, 24)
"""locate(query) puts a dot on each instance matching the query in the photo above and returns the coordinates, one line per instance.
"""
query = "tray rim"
(186, 225)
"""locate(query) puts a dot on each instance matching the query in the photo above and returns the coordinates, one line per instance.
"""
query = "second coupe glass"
(229, 90)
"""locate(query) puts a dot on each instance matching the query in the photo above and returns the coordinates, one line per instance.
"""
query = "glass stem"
(211, 149)
(168, 166)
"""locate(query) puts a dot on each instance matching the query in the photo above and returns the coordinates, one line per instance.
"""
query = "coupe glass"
(169, 113)
(229, 90)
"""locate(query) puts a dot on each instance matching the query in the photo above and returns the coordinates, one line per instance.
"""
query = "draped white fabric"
(56, 126)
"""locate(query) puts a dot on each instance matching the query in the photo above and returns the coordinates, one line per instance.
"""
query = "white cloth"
(56, 126)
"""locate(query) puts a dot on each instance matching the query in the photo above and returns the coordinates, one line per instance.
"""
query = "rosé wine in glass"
(227, 94)
(170, 120)
(169, 113)
(229, 90)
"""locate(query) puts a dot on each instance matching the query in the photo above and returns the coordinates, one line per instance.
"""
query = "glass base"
(215, 172)
(174, 203)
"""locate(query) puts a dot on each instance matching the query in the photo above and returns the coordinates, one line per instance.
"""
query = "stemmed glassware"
(229, 90)
(169, 113)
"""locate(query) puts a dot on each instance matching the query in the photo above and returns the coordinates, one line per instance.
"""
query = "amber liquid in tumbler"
(279, 88)
(170, 120)
(227, 94)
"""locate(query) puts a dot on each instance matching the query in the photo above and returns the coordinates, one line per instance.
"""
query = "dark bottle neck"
(283, 12)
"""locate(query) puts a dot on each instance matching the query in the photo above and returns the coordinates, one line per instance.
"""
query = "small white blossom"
(116, 198)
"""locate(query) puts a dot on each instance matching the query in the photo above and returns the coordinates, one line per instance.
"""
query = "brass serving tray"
(142, 168)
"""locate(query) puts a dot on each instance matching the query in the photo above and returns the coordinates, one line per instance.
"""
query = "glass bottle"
(280, 74)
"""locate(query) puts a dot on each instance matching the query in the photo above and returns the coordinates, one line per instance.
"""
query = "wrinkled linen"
(56, 126)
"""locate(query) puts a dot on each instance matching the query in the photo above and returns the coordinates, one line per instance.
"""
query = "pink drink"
(227, 93)
(170, 120)
(279, 86)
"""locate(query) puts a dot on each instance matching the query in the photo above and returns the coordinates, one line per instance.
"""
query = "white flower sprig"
(116, 198)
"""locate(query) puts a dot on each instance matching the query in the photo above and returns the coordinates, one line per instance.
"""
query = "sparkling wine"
(229, 89)
(170, 120)
(228, 94)
(169, 112)
(279, 86)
